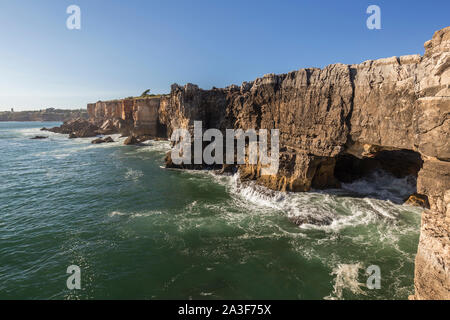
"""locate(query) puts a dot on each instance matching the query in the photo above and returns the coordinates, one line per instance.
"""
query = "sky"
(126, 47)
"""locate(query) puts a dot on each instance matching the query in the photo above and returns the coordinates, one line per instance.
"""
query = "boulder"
(131, 140)
(418, 200)
(79, 128)
(98, 141)
(102, 140)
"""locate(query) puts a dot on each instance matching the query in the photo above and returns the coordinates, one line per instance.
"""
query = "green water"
(138, 231)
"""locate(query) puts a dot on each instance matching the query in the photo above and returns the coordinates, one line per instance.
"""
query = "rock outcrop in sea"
(336, 124)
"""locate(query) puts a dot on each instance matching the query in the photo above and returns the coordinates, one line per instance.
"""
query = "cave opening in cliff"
(387, 175)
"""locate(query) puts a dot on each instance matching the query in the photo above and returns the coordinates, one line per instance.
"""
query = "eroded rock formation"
(364, 110)
(132, 116)
(77, 128)
(394, 111)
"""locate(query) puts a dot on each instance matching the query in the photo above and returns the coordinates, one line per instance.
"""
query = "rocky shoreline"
(336, 124)
(50, 114)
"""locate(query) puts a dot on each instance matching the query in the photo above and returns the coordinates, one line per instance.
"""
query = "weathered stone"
(102, 140)
(376, 107)
(418, 200)
(131, 116)
(78, 128)
(98, 141)
(131, 140)
(397, 104)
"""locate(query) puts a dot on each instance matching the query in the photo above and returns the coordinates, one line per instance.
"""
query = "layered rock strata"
(132, 116)
(393, 112)
(399, 105)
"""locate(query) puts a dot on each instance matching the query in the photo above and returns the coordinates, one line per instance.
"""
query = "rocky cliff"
(335, 124)
(395, 110)
(132, 116)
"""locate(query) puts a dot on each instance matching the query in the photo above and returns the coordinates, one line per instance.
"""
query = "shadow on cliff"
(389, 175)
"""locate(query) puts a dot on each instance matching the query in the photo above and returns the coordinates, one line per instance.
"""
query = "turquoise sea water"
(138, 231)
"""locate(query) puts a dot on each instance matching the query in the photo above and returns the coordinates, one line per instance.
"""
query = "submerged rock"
(102, 140)
(38, 137)
(418, 200)
(78, 128)
(131, 140)
(98, 141)
(317, 220)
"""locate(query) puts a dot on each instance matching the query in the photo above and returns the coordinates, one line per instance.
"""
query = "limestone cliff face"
(405, 103)
(136, 116)
(326, 116)
(364, 110)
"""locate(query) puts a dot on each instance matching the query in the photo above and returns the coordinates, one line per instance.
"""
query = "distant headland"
(49, 114)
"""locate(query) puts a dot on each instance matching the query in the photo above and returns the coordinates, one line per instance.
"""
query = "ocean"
(139, 231)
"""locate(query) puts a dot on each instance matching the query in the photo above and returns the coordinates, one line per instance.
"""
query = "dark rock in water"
(38, 137)
(228, 168)
(131, 140)
(97, 141)
(87, 132)
(418, 200)
(102, 140)
(72, 135)
(78, 128)
(44, 129)
(144, 138)
(318, 221)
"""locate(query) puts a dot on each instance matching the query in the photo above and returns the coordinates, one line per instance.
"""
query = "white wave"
(133, 175)
(116, 213)
(205, 294)
(382, 185)
(346, 279)
(330, 212)
(133, 215)
(145, 214)
(152, 145)
(73, 146)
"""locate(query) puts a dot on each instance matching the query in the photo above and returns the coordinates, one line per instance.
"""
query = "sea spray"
(346, 278)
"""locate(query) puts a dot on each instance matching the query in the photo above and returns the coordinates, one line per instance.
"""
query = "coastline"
(339, 116)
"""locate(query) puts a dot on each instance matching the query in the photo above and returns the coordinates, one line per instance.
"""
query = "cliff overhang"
(398, 106)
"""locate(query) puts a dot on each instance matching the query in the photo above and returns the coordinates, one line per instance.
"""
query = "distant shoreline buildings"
(49, 114)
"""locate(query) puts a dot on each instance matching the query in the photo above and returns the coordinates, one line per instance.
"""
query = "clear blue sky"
(125, 47)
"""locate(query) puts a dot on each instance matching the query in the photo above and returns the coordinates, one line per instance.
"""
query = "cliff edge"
(335, 124)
